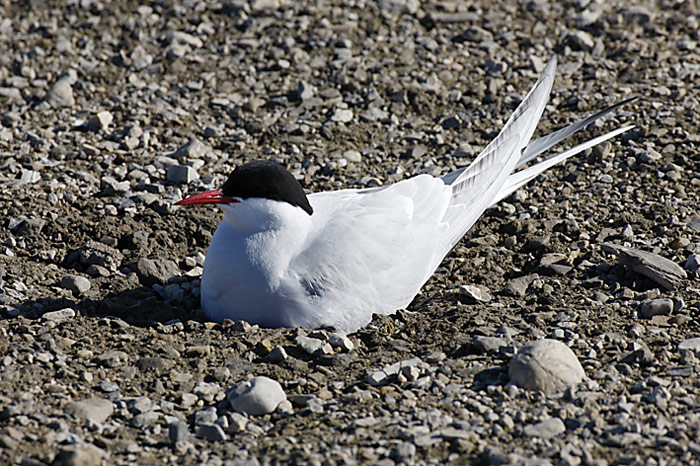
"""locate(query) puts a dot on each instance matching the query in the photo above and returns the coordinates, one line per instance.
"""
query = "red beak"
(209, 197)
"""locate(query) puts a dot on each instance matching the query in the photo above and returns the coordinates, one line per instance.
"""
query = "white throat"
(270, 233)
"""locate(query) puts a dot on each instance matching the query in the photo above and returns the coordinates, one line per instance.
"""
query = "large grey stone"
(182, 174)
(659, 269)
(151, 271)
(546, 429)
(548, 366)
(258, 396)
(95, 410)
(75, 283)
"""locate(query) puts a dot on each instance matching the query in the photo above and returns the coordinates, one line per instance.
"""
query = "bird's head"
(261, 179)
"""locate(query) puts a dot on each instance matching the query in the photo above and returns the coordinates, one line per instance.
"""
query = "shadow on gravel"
(140, 306)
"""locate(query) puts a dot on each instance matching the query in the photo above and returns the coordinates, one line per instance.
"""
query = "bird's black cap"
(267, 180)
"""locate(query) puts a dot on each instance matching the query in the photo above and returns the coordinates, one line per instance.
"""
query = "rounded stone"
(547, 365)
(75, 284)
(258, 396)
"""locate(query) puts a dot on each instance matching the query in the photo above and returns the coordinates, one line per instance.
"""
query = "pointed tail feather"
(542, 144)
(522, 177)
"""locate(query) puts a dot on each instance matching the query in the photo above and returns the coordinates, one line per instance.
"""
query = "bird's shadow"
(139, 306)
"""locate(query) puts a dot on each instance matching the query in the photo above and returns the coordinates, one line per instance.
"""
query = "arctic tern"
(281, 258)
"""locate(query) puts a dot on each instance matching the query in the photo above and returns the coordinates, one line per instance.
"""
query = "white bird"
(332, 259)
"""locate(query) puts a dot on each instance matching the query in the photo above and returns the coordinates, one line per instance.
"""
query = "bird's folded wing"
(377, 245)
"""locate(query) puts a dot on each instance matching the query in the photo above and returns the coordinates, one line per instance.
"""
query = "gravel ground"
(111, 111)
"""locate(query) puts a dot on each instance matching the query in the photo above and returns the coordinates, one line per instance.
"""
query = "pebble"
(342, 115)
(546, 429)
(26, 226)
(188, 399)
(113, 358)
(11, 94)
(182, 174)
(548, 366)
(382, 376)
(397, 7)
(258, 396)
(156, 364)
(649, 156)
(60, 315)
(278, 354)
(61, 93)
(304, 91)
(152, 271)
(342, 341)
(518, 286)
(691, 344)
(146, 419)
(95, 410)
(100, 121)
(692, 264)
(474, 293)
(581, 40)
(488, 344)
(655, 307)
(193, 149)
(211, 432)
(110, 186)
(139, 404)
(237, 422)
(108, 386)
(206, 390)
(310, 345)
(82, 454)
(29, 176)
(76, 284)
(178, 431)
(494, 456)
(96, 253)
(206, 416)
(352, 156)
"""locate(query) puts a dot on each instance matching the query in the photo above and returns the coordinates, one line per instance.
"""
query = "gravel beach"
(563, 329)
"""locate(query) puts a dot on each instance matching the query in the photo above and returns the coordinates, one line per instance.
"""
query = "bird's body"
(280, 261)
(361, 252)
